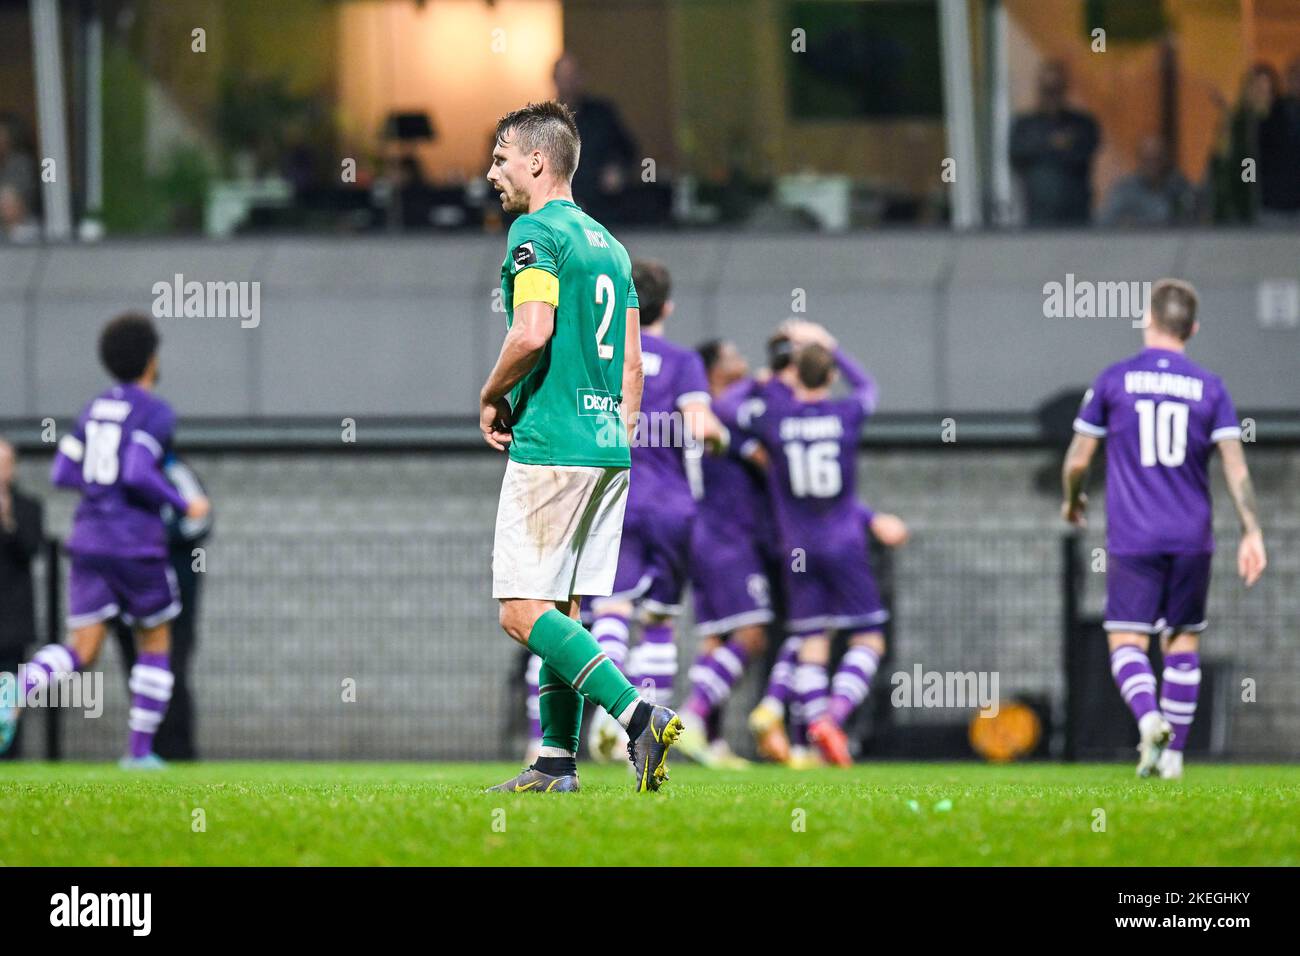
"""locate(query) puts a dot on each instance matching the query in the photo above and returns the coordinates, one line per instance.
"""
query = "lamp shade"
(409, 127)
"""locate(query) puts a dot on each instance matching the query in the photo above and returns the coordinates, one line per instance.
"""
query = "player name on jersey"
(1163, 383)
(812, 428)
(110, 410)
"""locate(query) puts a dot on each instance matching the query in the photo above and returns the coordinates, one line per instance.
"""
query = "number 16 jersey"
(812, 454)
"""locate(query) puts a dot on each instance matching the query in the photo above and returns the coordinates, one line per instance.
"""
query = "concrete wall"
(406, 327)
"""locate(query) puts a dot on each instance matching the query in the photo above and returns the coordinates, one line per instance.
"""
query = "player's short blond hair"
(549, 128)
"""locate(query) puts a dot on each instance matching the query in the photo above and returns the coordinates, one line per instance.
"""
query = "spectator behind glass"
(22, 531)
(607, 147)
(1155, 195)
(16, 222)
(1293, 81)
(413, 194)
(1233, 200)
(17, 168)
(1279, 155)
(1052, 150)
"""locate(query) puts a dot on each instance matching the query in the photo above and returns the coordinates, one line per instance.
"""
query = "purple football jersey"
(734, 492)
(812, 450)
(674, 376)
(114, 457)
(1161, 415)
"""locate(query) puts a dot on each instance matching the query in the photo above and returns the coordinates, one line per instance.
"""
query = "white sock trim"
(625, 718)
(152, 682)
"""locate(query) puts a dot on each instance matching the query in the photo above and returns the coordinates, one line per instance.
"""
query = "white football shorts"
(558, 531)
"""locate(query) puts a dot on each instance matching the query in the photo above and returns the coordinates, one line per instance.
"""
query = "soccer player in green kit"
(562, 400)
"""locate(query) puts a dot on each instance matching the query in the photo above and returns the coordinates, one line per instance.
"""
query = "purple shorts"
(729, 581)
(653, 559)
(1151, 593)
(834, 590)
(142, 591)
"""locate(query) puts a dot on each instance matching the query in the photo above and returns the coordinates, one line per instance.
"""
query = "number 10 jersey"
(1161, 415)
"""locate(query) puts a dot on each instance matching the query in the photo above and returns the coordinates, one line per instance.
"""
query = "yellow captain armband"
(536, 285)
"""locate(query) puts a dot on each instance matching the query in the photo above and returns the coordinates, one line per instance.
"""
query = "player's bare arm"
(633, 371)
(802, 332)
(1075, 469)
(703, 425)
(1251, 559)
(523, 346)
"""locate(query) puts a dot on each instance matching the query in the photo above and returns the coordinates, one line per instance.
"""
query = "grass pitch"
(434, 814)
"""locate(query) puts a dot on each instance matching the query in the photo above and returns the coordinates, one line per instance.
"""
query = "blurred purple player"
(852, 680)
(661, 507)
(118, 545)
(1162, 416)
(727, 567)
(810, 440)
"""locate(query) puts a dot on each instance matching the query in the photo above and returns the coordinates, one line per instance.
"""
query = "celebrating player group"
(638, 466)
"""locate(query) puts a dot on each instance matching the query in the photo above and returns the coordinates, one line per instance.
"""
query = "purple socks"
(714, 675)
(1133, 676)
(48, 664)
(1180, 683)
(151, 691)
(656, 662)
(852, 681)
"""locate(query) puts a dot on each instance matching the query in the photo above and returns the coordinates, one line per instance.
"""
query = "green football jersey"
(566, 410)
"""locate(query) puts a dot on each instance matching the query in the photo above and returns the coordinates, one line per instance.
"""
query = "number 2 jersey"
(1161, 415)
(115, 457)
(566, 409)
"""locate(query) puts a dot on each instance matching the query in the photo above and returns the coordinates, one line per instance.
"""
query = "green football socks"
(561, 711)
(569, 652)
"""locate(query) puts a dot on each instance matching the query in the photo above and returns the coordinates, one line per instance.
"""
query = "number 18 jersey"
(111, 520)
(1161, 415)
(566, 410)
